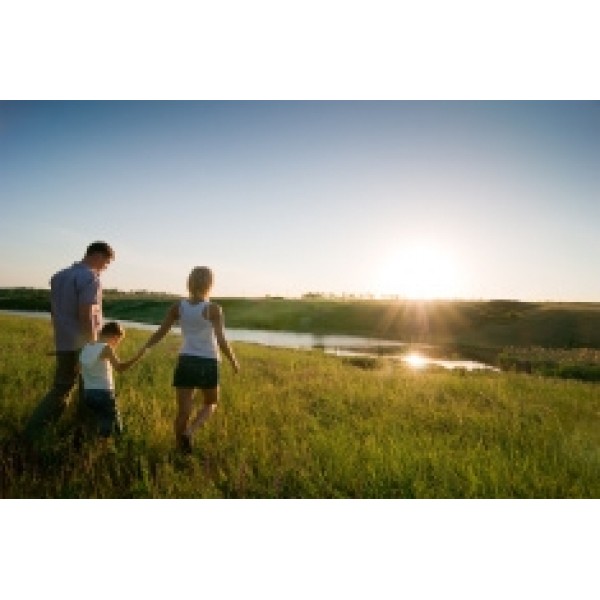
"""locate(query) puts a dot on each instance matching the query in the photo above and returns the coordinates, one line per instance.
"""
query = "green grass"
(299, 424)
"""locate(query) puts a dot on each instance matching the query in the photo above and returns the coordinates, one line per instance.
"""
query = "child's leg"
(108, 415)
(210, 397)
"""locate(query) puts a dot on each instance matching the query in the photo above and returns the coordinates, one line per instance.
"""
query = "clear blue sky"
(462, 199)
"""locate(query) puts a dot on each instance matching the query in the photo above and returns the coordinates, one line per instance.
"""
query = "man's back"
(69, 289)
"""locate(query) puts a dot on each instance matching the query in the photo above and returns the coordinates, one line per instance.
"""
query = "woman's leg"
(210, 397)
(185, 397)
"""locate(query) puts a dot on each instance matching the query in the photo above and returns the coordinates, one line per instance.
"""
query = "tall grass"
(299, 424)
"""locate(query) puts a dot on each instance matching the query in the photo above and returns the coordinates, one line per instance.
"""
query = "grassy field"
(299, 424)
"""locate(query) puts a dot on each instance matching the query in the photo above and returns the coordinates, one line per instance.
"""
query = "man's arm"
(87, 321)
(89, 295)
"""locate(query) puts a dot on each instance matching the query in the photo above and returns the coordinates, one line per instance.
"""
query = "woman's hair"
(112, 328)
(200, 281)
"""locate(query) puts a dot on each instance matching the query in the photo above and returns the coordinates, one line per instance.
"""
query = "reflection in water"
(414, 360)
(339, 345)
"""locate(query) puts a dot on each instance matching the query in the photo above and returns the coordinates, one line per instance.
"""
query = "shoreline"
(348, 346)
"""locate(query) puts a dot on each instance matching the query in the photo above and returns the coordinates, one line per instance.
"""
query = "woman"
(198, 363)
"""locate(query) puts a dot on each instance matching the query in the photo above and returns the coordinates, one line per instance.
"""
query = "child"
(203, 332)
(97, 360)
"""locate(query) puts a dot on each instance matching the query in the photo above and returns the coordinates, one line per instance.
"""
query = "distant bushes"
(579, 363)
(24, 299)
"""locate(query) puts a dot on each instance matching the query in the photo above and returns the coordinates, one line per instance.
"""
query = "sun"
(419, 272)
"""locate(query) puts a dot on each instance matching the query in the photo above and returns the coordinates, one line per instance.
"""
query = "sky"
(458, 199)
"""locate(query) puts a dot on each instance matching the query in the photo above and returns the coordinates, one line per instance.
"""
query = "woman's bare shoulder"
(214, 310)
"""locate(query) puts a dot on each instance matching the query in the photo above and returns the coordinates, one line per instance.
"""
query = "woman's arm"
(215, 314)
(170, 318)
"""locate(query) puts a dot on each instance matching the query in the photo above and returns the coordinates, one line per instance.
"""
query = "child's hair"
(200, 281)
(112, 328)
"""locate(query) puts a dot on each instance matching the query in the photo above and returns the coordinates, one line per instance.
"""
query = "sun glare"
(414, 360)
(419, 273)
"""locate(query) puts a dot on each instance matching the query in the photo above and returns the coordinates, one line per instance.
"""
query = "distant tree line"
(332, 296)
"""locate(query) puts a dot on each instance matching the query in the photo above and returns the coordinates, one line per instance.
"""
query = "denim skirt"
(196, 372)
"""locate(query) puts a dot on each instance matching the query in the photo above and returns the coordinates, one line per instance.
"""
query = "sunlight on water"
(414, 360)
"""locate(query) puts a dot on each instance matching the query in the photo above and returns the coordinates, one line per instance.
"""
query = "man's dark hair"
(112, 328)
(101, 247)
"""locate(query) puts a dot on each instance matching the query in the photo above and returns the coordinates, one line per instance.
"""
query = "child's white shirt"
(97, 372)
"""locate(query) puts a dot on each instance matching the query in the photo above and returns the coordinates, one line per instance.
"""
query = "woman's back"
(197, 330)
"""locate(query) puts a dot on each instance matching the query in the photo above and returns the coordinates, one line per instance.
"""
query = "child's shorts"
(196, 372)
(102, 412)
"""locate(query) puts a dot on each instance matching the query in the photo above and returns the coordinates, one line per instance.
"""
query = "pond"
(338, 345)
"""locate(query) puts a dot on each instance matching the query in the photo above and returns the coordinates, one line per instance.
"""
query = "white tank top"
(197, 331)
(97, 373)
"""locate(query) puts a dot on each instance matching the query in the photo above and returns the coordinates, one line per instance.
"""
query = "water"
(417, 360)
(338, 345)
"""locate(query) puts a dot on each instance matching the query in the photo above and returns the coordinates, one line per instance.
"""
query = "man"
(76, 313)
